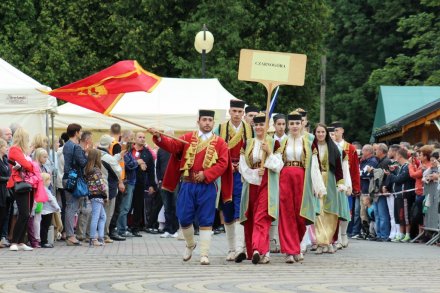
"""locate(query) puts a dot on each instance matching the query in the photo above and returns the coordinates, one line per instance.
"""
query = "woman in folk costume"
(259, 202)
(334, 204)
(300, 183)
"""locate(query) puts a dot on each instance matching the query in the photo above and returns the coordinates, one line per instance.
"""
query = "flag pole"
(266, 124)
(147, 128)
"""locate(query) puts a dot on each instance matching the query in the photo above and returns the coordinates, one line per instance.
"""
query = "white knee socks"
(205, 242)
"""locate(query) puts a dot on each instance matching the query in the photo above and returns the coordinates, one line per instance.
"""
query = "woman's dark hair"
(72, 129)
(333, 151)
(64, 138)
(278, 117)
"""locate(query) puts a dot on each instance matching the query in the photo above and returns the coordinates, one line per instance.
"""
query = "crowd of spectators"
(398, 201)
(399, 193)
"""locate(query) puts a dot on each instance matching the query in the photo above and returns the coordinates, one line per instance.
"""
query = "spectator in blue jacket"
(74, 158)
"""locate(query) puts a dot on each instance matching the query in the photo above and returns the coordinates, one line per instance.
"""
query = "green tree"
(364, 35)
(419, 62)
(61, 41)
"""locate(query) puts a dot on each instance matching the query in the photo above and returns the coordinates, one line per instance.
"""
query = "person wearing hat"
(344, 205)
(279, 125)
(235, 132)
(250, 113)
(300, 185)
(202, 160)
(304, 120)
(111, 174)
(353, 163)
(331, 132)
(260, 170)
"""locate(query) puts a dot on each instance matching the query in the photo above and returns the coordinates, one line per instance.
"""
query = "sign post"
(272, 69)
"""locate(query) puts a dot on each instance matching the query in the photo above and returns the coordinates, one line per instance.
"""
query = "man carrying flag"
(199, 162)
(235, 132)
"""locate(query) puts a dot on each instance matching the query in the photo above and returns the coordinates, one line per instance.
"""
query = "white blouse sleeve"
(250, 175)
(317, 181)
(347, 177)
(274, 162)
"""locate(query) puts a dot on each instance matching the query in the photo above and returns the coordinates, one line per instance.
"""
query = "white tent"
(21, 102)
(174, 104)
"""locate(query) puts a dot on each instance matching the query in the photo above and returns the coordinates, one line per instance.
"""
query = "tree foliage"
(60, 41)
(374, 43)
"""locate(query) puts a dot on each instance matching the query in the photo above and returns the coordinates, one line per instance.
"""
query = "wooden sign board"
(272, 68)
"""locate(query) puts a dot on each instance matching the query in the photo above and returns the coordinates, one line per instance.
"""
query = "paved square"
(152, 264)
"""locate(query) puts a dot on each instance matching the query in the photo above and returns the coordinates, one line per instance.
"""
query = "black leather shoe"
(136, 234)
(47, 245)
(117, 237)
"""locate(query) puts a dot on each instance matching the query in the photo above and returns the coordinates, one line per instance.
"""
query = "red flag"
(101, 91)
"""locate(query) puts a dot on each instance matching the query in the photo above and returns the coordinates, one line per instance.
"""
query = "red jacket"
(17, 155)
(353, 162)
(222, 168)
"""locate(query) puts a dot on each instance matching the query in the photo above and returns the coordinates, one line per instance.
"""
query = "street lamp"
(203, 43)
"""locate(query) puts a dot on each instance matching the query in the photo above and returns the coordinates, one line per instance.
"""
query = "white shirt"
(294, 148)
(257, 152)
(279, 139)
(340, 144)
(236, 128)
(204, 136)
(322, 150)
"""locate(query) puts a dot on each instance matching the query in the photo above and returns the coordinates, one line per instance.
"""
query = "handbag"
(81, 189)
(22, 187)
(72, 179)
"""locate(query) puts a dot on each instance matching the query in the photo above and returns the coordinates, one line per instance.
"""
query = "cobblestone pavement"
(152, 264)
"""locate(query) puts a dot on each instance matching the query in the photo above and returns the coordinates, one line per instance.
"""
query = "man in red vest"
(199, 163)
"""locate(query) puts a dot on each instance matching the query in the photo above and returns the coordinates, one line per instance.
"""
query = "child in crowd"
(370, 226)
(40, 157)
(97, 195)
(49, 207)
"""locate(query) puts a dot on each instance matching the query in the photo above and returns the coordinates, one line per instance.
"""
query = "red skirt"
(291, 226)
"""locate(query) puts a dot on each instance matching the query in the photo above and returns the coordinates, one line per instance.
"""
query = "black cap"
(237, 104)
(331, 129)
(337, 124)
(251, 109)
(294, 116)
(208, 113)
(260, 118)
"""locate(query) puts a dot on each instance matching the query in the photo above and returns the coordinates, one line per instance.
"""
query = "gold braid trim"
(306, 159)
(190, 154)
(211, 155)
(248, 152)
(282, 148)
(236, 137)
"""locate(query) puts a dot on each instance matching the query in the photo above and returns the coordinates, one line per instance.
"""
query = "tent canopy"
(21, 100)
(174, 104)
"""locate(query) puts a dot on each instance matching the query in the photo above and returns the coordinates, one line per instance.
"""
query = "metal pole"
(204, 52)
(54, 174)
(323, 84)
(203, 63)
